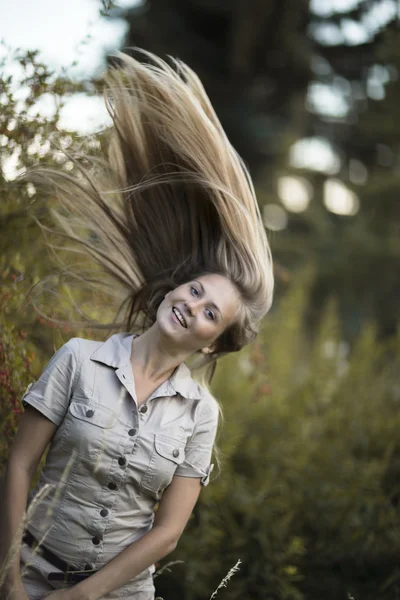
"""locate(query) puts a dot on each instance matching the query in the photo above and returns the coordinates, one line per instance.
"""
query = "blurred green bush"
(16, 357)
(309, 490)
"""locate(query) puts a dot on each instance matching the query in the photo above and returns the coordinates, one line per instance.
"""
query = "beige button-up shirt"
(109, 461)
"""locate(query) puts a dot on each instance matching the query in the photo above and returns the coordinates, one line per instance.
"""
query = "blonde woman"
(172, 220)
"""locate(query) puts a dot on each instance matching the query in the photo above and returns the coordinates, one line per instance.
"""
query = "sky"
(58, 28)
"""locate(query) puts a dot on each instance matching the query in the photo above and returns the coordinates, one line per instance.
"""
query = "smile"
(179, 316)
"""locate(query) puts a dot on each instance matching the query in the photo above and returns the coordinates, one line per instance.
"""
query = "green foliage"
(25, 134)
(16, 358)
(26, 138)
(308, 491)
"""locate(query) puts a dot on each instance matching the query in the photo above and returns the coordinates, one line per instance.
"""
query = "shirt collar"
(116, 352)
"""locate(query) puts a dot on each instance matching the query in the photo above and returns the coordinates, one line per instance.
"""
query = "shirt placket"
(165, 389)
(117, 472)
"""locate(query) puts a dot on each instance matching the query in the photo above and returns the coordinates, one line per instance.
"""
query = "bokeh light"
(339, 199)
(275, 217)
(295, 193)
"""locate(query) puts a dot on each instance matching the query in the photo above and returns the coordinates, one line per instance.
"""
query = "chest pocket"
(90, 430)
(167, 454)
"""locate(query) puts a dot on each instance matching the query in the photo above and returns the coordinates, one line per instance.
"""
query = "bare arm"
(33, 435)
(171, 517)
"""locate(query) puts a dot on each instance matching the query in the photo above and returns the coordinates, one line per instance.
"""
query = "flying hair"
(171, 200)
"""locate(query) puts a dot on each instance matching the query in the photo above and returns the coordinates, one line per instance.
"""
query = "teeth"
(180, 317)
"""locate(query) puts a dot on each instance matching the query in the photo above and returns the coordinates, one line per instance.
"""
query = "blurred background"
(309, 94)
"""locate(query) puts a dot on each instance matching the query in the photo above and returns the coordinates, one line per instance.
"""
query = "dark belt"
(68, 574)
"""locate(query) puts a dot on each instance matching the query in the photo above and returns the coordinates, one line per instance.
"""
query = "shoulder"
(76, 348)
(68, 352)
(83, 345)
(75, 351)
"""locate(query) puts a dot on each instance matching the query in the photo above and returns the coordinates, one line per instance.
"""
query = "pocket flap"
(97, 415)
(172, 449)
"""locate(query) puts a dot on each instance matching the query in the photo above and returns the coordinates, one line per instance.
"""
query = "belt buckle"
(69, 576)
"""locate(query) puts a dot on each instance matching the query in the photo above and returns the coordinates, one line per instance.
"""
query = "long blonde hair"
(172, 199)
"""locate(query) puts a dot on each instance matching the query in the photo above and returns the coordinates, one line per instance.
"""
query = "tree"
(264, 65)
(27, 339)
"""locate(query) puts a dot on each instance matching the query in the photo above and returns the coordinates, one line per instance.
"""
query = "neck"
(153, 357)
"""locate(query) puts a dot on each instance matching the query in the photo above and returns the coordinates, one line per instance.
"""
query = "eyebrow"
(211, 303)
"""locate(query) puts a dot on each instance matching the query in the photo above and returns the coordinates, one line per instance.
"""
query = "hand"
(15, 591)
(59, 595)
(17, 595)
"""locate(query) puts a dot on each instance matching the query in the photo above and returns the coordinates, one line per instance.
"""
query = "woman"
(172, 219)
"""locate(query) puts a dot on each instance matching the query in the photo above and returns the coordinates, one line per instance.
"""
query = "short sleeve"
(51, 393)
(199, 447)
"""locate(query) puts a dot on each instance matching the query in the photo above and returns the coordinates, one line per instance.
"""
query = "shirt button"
(132, 432)
(104, 512)
(90, 413)
(112, 485)
(143, 409)
(121, 461)
(88, 567)
(96, 540)
(175, 452)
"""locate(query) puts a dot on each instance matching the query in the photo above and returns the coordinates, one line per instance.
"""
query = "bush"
(16, 358)
(308, 494)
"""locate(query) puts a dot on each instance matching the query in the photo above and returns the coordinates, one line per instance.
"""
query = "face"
(195, 314)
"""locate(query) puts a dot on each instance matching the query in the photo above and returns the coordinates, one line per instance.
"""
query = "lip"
(176, 320)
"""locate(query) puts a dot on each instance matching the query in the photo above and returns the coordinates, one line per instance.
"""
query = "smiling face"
(195, 314)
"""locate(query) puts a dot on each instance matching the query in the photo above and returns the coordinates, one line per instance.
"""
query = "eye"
(210, 314)
(194, 291)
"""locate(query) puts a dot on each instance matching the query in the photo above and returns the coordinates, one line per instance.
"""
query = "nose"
(190, 307)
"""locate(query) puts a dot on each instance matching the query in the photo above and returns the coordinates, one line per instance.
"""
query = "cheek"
(162, 309)
(208, 330)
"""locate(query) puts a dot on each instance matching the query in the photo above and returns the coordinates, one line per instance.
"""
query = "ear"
(208, 349)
